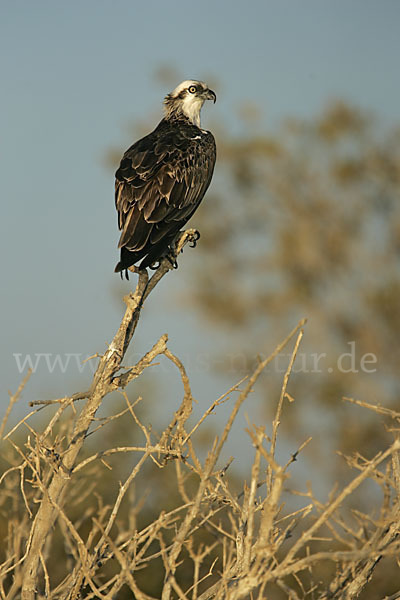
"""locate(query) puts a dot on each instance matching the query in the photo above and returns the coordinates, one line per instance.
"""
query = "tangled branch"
(208, 541)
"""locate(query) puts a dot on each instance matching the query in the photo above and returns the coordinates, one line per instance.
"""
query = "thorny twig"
(214, 541)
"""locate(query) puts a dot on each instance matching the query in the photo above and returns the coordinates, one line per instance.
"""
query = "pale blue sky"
(76, 75)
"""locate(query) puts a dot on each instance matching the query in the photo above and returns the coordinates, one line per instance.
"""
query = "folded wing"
(159, 185)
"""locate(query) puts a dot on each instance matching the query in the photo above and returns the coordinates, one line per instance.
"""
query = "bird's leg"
(175, 247)
(171, 257)
(132, 269)
(193, 238)
(183, 237)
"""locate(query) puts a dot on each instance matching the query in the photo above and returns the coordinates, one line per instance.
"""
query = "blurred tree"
(306, 222)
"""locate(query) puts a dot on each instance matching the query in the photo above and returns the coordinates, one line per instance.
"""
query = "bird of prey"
(163, 177)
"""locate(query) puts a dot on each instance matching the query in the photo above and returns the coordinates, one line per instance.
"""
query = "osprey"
(163, 177)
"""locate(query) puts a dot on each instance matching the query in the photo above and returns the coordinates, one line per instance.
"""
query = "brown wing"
(160, 183)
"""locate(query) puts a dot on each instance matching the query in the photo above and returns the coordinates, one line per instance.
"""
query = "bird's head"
(187, 99)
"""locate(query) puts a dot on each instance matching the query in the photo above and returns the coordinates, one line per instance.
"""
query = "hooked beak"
(210, 95)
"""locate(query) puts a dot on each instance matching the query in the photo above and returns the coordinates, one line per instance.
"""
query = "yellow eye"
(192, 89)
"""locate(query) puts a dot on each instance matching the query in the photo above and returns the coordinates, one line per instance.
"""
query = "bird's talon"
(194, 239)
(172, 260)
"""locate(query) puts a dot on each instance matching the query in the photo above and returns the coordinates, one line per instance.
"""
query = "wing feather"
(160, 183)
